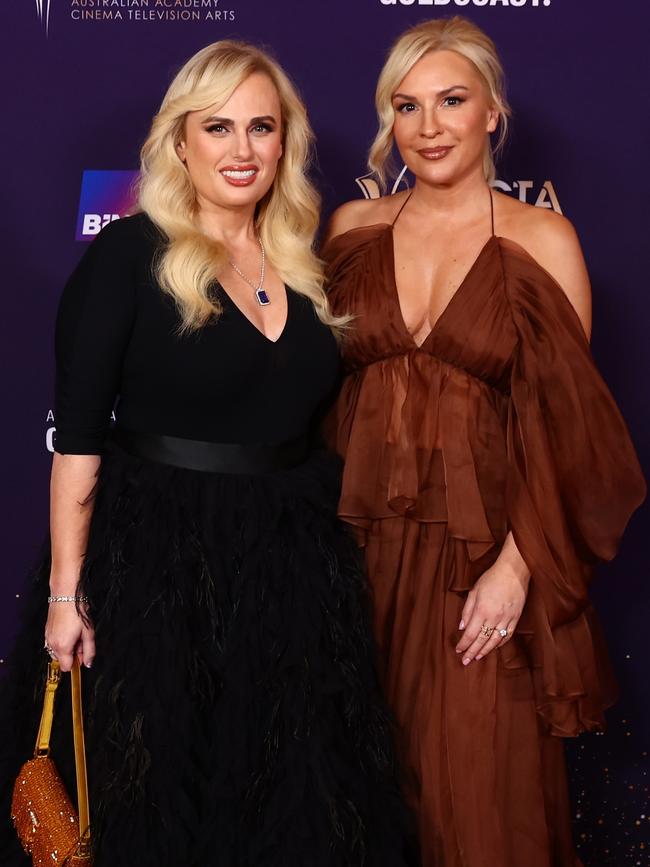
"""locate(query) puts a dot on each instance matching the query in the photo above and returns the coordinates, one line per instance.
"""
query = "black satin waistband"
(208, 457)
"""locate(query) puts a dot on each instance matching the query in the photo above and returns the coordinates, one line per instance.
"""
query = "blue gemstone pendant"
(262, 298)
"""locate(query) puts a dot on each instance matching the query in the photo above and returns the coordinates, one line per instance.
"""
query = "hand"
(496, 600)
(66, 634)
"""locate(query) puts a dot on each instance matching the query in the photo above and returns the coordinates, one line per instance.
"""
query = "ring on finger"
(503, 633)
(487, 630)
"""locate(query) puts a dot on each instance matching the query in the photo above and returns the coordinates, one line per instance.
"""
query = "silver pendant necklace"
(260, 292)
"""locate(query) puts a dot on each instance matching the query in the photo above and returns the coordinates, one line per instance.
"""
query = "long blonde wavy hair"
(449, 34)
(286, 218)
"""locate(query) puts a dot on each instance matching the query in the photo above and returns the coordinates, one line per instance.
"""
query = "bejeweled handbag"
(45, 819)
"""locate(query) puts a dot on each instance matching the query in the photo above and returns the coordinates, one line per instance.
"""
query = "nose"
(242, 145)
(431, 126)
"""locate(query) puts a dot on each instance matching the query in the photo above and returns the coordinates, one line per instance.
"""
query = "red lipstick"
(239, 175)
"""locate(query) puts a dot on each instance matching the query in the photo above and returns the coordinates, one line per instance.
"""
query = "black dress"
(232, 711)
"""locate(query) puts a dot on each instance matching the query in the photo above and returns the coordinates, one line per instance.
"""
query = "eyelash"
(220, 128)
(401, 108)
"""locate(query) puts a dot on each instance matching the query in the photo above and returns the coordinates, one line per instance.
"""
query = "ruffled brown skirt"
(486, 781)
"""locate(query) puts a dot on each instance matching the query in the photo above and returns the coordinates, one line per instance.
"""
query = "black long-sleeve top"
(118, 345)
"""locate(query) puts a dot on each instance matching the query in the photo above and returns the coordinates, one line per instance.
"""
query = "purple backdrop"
(82, 80)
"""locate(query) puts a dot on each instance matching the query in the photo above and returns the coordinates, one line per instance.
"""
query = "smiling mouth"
(239, 174)
(435, 153)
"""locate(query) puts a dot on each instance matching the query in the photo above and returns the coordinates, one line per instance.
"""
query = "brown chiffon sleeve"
(573, 482)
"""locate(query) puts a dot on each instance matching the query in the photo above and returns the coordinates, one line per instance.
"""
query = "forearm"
(71, 506)
(511, 560)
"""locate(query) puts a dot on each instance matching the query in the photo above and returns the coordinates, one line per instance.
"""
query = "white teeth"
(238, 175)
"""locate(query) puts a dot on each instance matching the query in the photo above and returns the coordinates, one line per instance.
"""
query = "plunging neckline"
(252, 324)
(448, 305)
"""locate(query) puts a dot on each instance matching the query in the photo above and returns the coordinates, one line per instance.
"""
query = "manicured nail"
(479, 656)
(467, 660)
(461, 625)
(88, 664)
(458, 650)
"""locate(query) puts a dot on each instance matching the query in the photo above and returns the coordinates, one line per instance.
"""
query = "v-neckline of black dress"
(241, 313)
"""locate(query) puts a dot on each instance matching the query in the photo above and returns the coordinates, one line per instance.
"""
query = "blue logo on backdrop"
(105, 196)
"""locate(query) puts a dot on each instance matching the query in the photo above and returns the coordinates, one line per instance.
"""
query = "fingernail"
(458, 650)
(479, 656)
(467, 660)
(461, 625)
(88, 664)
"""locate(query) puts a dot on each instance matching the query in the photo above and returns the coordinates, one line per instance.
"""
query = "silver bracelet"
(67, 599)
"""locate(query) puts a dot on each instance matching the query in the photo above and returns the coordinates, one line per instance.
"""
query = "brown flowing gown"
(497, 422)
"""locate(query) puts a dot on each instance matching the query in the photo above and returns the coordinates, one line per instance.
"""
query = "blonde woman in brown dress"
(487, 466)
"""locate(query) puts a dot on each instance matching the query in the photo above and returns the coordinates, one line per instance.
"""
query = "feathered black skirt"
(233, 716)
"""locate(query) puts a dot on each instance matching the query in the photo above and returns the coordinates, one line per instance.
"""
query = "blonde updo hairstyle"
(286, 218)
(442, 34)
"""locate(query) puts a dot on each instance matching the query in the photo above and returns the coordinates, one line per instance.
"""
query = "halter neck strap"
(406, 200)
(491, 210)
(404, 203)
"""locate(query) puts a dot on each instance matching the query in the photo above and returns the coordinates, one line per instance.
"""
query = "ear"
(180, 150)
(493, 120)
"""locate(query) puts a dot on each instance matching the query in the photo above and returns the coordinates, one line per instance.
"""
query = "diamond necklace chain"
(259, 290)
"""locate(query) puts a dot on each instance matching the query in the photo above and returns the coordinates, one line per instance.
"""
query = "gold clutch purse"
(45, 819)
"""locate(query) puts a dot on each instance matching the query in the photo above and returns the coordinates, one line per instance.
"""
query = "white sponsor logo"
(93, 223)
(465, 2)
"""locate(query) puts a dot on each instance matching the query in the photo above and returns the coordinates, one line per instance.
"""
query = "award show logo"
(540, 195)
(371, 189)
(150, 11)
(105, 196)
(43, 12)
(532, 193)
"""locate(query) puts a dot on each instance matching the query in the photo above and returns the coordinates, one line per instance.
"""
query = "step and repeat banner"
(82, 79)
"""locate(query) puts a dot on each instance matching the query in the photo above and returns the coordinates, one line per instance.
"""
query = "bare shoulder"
(358, 213)
(553, 242)
(547, 232)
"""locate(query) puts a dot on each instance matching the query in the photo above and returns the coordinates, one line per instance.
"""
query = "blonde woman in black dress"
(197, 567)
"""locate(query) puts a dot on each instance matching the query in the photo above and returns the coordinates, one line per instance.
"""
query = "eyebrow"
(226, 121)
(444, 92)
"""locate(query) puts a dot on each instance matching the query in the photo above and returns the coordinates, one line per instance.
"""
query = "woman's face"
(232, 152)
(442, 117)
